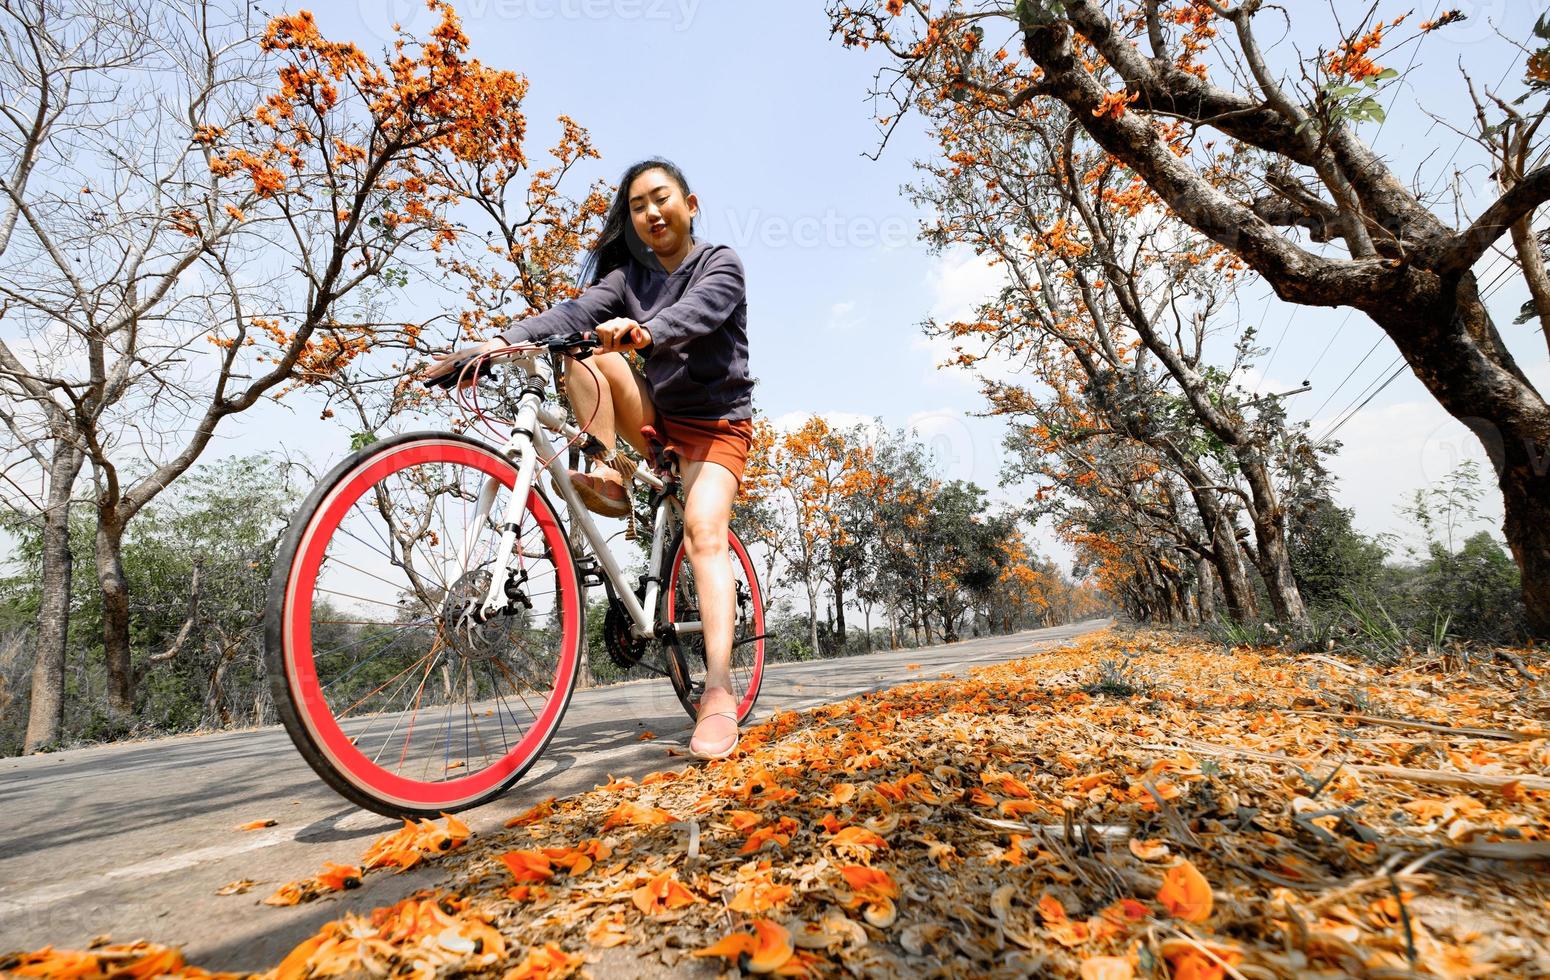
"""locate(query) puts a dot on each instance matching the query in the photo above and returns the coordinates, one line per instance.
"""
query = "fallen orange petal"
(533, 814)
(528, 866)
(1107, 968)
(1185, 893)
(730, 947)
(338, 877)
(257, 824)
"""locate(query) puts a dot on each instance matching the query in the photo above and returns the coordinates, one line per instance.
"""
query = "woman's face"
(661, 213)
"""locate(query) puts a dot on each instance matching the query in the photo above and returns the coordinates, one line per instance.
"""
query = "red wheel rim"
(301, 673)
(756, 679)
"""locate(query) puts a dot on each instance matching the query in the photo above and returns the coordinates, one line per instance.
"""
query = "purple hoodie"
(697, 362)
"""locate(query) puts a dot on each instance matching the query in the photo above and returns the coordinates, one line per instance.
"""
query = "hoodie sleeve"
(708, 302)
(597, 303)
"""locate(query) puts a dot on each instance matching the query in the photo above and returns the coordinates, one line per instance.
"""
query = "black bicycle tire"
(274, 654)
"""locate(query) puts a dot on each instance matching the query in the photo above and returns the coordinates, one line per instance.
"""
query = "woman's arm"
(705, 305)
(598, 302)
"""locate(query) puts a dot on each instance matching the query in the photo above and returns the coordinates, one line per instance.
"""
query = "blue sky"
(769, 120)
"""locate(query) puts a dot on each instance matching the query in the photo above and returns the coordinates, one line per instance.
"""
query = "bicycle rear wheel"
(392, 690)
(686, 652)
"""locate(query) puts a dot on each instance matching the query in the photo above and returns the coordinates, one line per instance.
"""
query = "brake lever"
(579, 344)
(449, 380)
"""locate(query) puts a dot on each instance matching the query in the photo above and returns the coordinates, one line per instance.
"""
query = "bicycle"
(423, 635)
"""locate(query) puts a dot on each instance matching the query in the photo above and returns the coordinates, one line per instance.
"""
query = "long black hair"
(618, 243)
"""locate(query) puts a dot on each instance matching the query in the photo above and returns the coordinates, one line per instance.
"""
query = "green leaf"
(360, 440)
(1038, 13)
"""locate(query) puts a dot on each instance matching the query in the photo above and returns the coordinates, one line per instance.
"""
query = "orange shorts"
(724, 441)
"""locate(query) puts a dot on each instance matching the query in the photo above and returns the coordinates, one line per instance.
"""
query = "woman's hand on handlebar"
(621, 333)
(446, 368)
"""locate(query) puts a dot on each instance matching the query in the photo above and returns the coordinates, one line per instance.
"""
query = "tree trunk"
(216, 712)
(812, 617)
(1205, 589)
(1242, 601)
(1269, 519)
(1242, 604)
(839, 606)
(1534, 273)
(53, 622)
(115, 616)
(1454, 349)
(1526, 523)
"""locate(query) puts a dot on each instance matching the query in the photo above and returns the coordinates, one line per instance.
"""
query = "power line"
(1330, 397)
(1333, 337)
(1265, 374)
(1359, 396)
(1390, 380)
(1349, 413)
(1382, 123)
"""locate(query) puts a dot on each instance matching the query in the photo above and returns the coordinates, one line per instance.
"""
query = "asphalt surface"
(132, 840)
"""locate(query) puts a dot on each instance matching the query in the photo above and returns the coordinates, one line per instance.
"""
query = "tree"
(756, 513)
(197, 564)
(1087, 269)
(818, 468)
(1022, 595)
(180, 254)
(902, 517)
(1273, 148)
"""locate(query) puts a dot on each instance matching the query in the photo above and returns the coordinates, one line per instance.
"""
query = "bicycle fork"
(497, 600)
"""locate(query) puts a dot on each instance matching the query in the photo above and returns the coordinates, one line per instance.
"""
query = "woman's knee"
(705, 534)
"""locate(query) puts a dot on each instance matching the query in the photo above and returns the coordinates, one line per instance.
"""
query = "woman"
(655, 288)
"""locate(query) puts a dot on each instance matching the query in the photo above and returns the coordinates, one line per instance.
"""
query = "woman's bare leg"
(709, 489)
(607, 385)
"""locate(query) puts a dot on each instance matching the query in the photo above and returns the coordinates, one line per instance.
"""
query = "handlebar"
(578, 344)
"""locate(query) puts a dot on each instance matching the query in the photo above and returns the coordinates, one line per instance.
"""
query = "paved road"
(133, 839)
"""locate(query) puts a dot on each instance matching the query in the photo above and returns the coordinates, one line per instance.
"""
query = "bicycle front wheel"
(389, 685)
(680, 605)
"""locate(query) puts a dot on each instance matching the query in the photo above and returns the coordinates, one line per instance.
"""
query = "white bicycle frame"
(529, 442)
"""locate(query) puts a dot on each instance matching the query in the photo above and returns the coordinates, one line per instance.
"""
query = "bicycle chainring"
(624, 649)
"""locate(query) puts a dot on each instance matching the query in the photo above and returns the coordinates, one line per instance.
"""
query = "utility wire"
(1346, 415)
(1390, 380)
(1330, 397)
(1333, 337)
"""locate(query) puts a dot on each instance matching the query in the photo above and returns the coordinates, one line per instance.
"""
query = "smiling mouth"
(658, 229)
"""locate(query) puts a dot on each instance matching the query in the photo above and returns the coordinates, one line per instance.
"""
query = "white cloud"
(961, 281)
(957, 283)
(1390, 451)
(843, 316)
(791, 421)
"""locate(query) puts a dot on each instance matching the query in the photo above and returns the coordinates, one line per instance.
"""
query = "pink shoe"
(722, 752)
